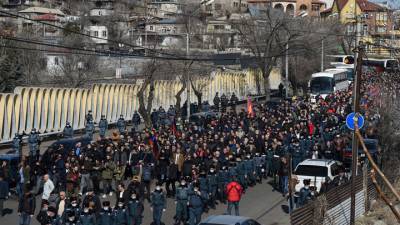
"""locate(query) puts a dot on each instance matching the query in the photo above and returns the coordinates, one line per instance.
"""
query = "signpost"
(352, 118)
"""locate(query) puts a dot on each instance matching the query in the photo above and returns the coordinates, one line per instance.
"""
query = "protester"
(234, 193)
(4, 191)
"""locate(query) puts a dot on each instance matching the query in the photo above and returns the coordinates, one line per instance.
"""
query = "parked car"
(316, 170)
(228, 220)
(372, 146)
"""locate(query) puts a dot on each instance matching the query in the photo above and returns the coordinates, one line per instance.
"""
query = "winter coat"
(234, 191)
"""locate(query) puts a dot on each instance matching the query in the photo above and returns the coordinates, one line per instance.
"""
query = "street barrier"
(48, 109)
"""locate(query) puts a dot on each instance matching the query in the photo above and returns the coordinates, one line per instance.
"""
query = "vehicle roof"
(317, 162)
(336, 70)
(339, 55)
(322, 74)
(225, 219)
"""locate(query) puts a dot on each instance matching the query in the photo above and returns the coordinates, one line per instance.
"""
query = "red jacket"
(234, 191)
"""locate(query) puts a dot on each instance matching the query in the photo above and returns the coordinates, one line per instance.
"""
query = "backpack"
(146, 174)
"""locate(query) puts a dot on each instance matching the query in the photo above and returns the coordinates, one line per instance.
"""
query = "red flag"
(250, 111)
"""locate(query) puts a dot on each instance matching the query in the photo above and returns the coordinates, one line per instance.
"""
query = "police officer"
(204, 189)
(241, 172)
(120, 214)
(87, 216)
(195, 207)
(73, 207)
(259, 162)
(136, 120)
(223, 179)
(216, 101)
(70, 219)
(297, 154)
(158, 204)
(162, 116)
(212, 186)
(121, 124)
(171, 114)
(232, 171)
(17, 143)
(181, 200)
(89, 116)
(103, 125)
(305, 193)
(135, 210)
(269, 158)
(233, 101)
(224, 102)
(89, 129)
(154, 118)
(33, 141)
(249, 167)
(68, 132)
(106, 215)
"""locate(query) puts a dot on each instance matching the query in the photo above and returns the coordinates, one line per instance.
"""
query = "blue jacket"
(4, 189)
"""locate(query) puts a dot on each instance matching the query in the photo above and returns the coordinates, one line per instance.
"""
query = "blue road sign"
(350, 121)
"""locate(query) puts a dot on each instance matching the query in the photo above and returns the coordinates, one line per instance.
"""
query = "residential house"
(219, 34)
(292, 7)
(46, 15)
(222, 7)
(102, 8)
(99, 33)
(164, 8)
(375, 21)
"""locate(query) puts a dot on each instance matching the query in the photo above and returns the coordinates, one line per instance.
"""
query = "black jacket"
(27, 205)
(4, 189)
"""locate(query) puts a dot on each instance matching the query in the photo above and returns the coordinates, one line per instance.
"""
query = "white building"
(98, 31)
(100, 12)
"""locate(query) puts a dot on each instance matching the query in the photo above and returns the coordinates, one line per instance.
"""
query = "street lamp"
(118, 74)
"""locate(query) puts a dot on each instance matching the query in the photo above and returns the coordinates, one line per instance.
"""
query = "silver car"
(228, 220)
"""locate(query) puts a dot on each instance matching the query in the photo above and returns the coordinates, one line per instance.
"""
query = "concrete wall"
(48, 109)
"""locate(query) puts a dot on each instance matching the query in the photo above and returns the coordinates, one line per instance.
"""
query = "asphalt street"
(259, 202)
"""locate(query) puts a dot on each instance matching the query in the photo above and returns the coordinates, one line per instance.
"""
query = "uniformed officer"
(195, 207)
(68, 132)
(87, 216)
(33, 141)
(135, 210)
(241, 172)
(233, 101)
(223, 179)
(181, 200)
(259, 165)
(154, 118)
(106, 215)
(121, 124)
(171, 114)
(136, 119)
(204, 189)
(212, 187)
(249, 167)
(17, 143)
(89, 129)
(269, 157)
(73, 207)
(120, 214)
(224, 102)
(305, 193)
(162, 116)
(70, 219)
(158, 204)
(89, 116)
(297, 155)
(216, 101)
(232, 171)
(103, 126)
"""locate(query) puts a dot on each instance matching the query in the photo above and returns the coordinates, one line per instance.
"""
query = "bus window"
(321, 85)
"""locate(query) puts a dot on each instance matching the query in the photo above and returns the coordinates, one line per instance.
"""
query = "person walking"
(103, 125)
(68, 131)
(121, 125)
(135, 210)
(4, 190)
(181, 201)
(48, 187)
(234, 193)
(158, 204)
(195, 207)
(26, 208)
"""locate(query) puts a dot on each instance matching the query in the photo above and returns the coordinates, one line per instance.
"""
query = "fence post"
(365, 186)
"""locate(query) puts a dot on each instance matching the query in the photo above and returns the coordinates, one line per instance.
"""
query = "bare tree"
(77, 68)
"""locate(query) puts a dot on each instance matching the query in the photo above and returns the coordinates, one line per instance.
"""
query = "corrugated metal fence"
(333, 207)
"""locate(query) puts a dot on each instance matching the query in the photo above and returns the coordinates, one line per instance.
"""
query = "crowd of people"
(198, 166)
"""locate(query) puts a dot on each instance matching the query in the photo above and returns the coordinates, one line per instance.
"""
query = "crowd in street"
(198, 166)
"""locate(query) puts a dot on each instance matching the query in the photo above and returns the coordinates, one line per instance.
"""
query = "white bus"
(347, 68)
(327, 82)
(341, 60)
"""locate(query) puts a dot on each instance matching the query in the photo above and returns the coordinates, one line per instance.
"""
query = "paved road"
(259, 202)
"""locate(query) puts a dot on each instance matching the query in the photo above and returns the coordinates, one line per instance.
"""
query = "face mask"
(133, 196)
(74, 204)
(71, 219)
(105, 208)
(86, 210)
(183, 184)
(158, 188)
(120, 205)
(212, 171)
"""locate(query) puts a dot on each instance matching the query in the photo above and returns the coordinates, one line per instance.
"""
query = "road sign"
(350, 121)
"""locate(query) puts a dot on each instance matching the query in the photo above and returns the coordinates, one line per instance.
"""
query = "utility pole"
(187, 77)
(322, 55)
(358, 54)
(145, 27)
(287, 70)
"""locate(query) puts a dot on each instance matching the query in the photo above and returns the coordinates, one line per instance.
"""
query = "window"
(365, 29)
(303, 7)
(56, 62)
(99, 13)
(384, 17)
(219, 27)
(218, 6)
(315, 7)
(381, 29)
(151, 28)
(96, 33)
(104, 33)
(235, 4)
(314, 171)
(366, 15)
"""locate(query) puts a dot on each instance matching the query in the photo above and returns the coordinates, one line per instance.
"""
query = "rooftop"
(41, 10)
